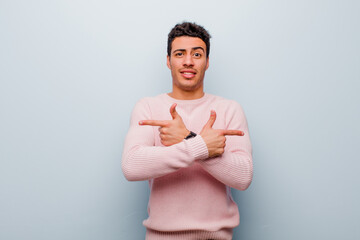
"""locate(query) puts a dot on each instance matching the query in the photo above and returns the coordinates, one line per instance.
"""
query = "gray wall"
(71, 72)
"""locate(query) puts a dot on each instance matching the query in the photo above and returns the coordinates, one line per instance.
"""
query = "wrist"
(191, 134)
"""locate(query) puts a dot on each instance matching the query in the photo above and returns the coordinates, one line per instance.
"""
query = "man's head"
(188, 59)
(190, 30)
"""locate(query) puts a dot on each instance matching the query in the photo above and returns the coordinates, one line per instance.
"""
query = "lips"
(188, 73)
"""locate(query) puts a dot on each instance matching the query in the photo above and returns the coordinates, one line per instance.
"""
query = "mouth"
(188, 73)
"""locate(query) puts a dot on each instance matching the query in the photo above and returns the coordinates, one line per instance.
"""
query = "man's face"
(188, 63)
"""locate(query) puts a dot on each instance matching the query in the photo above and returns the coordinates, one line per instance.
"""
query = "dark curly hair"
(191, 30)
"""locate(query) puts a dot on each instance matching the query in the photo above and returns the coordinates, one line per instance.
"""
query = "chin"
(189, 88)
(188, 85)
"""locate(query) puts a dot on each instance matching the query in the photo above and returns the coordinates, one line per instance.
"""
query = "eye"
(197, 55)
(178, 54)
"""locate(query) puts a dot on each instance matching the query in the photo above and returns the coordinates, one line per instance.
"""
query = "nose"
(188, 61)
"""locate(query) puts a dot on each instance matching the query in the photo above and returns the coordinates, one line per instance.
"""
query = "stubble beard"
(185, 87)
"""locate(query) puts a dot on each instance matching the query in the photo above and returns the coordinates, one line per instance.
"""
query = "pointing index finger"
(160, 123)
(233, 132)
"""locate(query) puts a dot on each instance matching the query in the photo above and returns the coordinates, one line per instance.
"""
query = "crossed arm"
(174, 131)
(143, 161)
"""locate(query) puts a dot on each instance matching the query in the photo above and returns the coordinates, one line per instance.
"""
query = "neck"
(187, 95)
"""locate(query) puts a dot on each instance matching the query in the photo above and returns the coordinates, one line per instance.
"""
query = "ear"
(168, 61)
(207, 63)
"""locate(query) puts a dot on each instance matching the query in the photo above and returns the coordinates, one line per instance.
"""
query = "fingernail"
(140, 123)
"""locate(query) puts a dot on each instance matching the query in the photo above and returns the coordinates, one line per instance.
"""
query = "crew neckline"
(192, 101)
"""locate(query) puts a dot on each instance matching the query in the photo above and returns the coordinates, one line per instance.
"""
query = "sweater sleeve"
(234, 167)
(142, 160)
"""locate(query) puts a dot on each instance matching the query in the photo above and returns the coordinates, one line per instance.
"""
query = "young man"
(191, 146)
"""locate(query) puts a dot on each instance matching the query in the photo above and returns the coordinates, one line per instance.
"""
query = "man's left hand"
(170, 131)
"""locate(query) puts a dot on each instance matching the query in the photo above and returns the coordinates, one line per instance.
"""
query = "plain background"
(72, 70)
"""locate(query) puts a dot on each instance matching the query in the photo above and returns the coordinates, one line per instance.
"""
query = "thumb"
(173, 111)
(211, 120)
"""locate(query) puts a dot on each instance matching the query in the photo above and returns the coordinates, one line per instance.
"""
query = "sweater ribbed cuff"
(225, 234)
(197, 147)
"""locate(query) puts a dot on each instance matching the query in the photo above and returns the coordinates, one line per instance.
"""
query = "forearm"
(234, 166)
(141, 162)
(234, 169)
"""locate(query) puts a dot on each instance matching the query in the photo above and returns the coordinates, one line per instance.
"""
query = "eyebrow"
(194, 48)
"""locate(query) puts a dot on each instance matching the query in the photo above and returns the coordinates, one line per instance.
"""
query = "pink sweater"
(190, 193)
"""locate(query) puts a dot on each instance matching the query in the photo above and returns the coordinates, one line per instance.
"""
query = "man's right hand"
(215, 138)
